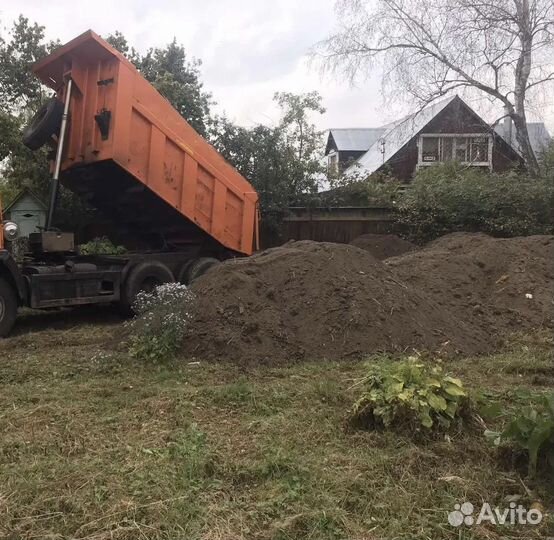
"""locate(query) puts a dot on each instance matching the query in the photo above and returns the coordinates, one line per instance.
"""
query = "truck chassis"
(91, 279)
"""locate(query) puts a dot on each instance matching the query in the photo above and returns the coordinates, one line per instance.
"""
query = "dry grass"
(97, 446)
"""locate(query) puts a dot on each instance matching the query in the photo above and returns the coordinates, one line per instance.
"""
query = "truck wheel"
(44, 124)
(8, 307)
(146, 277)
(199, 267)
(183, 274)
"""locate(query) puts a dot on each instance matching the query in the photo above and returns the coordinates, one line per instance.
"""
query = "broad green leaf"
(437, 402)
(426, 420)
(454, 390)
(395, 388)
(451, 408)
(406, 395)
(452, 380)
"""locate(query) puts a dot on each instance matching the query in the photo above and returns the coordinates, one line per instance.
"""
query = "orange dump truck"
(123, 148)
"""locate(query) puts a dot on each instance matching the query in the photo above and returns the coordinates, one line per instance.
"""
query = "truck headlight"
(10, 231)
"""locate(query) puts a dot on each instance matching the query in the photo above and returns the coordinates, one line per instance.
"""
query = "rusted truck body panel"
(131, 154)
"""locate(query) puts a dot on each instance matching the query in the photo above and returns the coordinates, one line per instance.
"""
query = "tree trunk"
(522, 72)
(522, 137)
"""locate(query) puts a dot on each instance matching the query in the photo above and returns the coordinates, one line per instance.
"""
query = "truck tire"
(8, 307)
(183, 273)
(144, 277)
(44, 124)
(199, 267)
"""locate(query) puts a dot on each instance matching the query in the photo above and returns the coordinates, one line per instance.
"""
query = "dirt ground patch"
(310, 300)
(383, 246)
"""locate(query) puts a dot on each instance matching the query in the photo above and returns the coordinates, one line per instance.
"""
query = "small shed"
(28, 211)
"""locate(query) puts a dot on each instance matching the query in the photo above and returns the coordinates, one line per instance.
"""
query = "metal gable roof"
(399, 133)
(539, 137)
(355, 139)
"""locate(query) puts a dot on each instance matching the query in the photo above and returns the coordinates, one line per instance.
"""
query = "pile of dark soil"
(504, 284)
(383, 246)
(308, 300)
(319, 300)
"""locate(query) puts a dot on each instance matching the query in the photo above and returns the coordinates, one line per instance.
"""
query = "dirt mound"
(383, 246)
(318, 300)
(504, 284)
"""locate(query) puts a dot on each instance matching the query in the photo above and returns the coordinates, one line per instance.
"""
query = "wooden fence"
(336, 224)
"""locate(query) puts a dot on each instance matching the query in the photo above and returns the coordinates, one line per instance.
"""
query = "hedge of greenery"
(452, 198)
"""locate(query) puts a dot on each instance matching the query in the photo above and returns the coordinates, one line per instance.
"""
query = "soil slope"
(319, 300)
(383, 246)
(307, 300)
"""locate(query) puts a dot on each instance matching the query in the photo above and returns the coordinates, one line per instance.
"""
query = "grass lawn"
(95, 445)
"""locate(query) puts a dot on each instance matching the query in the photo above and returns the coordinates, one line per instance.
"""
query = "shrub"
(101, 246)
(409, 395)
(451, 198)
(356, 189)
(531, 430)
(160, 322)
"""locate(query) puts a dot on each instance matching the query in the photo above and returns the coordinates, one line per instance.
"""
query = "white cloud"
(249, 49)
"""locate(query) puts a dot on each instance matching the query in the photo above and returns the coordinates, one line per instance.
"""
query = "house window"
(469, 149)
(430, 149)
(461, 146)
(333, 163)
(479, 149)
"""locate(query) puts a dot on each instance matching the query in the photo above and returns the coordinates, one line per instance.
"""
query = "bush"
(101, 246)
(531, 430)
(409, 395)
(379, 189)
(451, 198)
(161, 319)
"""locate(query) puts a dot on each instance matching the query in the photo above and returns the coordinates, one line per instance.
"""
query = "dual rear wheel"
(148, 275)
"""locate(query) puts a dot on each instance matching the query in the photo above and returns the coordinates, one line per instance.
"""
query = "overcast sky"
(249, 49)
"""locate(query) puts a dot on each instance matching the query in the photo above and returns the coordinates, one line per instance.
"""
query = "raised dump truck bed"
(133, 156)
(121, 146)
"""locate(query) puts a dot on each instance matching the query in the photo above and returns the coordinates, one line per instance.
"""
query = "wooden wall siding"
(456, 118)
(340, 225)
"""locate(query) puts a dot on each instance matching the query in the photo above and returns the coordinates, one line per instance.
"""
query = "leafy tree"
(19, 88)
(21, 94)
(118, 41)
(547, 162)
(304, 143)
(283, 163)
(176, 77)
(259, 154)
(501, 49)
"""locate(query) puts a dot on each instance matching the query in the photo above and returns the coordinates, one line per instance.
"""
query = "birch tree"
(503, 49)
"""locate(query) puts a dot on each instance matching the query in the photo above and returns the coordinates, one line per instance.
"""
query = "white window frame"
(333, 167)
(421, 163)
